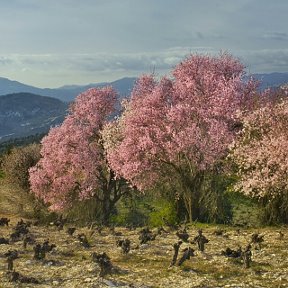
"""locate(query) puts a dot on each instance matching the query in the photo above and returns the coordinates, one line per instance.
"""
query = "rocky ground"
(70, 264)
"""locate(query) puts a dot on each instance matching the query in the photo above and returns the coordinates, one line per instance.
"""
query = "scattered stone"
(52, 262)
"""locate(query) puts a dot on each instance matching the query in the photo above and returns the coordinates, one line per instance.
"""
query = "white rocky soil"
(147, 265)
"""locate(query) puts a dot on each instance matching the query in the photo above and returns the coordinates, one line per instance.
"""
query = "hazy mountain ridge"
(275, 79)
(26, 110)
(65, 93)
(23, 114)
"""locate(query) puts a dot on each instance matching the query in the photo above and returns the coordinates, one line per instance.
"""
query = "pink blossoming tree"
(73, 165)
(174, 130)
(261, 155)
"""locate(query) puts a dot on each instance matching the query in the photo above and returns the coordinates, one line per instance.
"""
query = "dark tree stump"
(71, 230)
(125, 245)
(59, 223)
(39, 253)
(4, 221)
(176, 247)
(201, 240)
(83, 240)
(146, 235)
(232, 253)
(11, 255)
(47, 247)
(247, 256)
(103, 260)
(188, 252)
(14, 276)
(4, 241)
(257, 240)
(182, 235)
(170, 225)
(20, 230)
(28, 239)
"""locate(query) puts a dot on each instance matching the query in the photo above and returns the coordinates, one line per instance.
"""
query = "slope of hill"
(66, 93)
(20, 116)
(271, 79)
(23, 114)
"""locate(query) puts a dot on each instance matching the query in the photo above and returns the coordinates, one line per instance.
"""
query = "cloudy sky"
(50, 43)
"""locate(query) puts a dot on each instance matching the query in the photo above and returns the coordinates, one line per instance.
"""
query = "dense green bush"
(245, 210)
(86, 211)
(275, 210)
(163, 209)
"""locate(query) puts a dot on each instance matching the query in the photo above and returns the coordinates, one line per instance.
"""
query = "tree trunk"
(106, 209)
(191, 194)
(187, 197)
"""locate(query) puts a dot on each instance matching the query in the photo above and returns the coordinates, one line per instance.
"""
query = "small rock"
(87, 280)
(109, 283)
(144, 246)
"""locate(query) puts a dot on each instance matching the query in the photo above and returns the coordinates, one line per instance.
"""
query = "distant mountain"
(23, 114)
(26, 110)
(66, 93)
(271, 80)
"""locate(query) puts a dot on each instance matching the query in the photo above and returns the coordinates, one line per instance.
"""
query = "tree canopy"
(73, 164)
(173, 130)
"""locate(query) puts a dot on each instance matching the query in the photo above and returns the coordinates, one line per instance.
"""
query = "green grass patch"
(245, 211)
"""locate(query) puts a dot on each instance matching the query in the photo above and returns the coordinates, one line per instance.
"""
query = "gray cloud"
(51, 43)
(282, 36)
